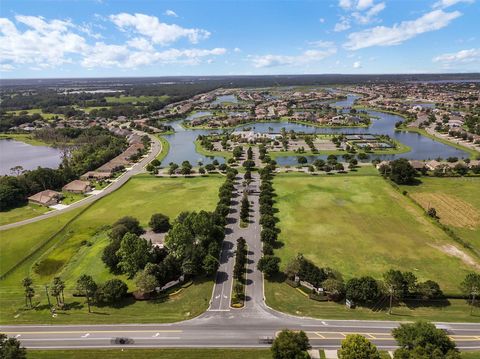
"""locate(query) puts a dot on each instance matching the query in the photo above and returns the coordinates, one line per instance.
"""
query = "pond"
(422, 148)
(15, 153)
(225, 99)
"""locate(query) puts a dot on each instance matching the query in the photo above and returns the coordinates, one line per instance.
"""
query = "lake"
(422, 148)
(15, 153)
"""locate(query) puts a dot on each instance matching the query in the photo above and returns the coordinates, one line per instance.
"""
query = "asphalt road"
(137, 168)
(222, 326)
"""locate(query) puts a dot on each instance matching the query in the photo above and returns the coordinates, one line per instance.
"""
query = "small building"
(77, 186)
(433, 164)
(46, 198)
(94, 175)
(418, 165)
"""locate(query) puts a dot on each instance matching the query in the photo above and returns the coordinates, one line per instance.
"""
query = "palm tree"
(29, 291)
(59, 284)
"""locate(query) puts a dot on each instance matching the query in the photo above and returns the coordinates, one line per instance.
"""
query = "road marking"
(86, 335)
(101, 331)
(18, 336)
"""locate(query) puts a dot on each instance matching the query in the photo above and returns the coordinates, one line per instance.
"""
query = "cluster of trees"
(419, 340)
(245, 208)
(366, 290)
(268, 264)
(90, 149)
(399, 171)
(239, 270)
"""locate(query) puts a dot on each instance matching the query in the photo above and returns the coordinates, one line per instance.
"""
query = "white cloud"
(364, 4)
(369, 16)
(237, 49)
(322, 20)
(44, 43)
(39, 44)
(6, 67)
(357, 65)
(342, 25)
(398, 33)
(443, 4)
(159, 33)
(104, 55)
(306, 57)
(345, 4)
(321, 43)
(171, 13)
(460, 57)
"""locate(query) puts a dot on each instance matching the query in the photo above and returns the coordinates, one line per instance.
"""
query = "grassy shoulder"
(165, 148)
(346, 221)
(284, 298)
(177, 305)
(195, 353)
(23, 137)
(22, 213)
(76, 239)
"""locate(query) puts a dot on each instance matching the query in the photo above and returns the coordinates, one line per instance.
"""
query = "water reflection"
(422, 148)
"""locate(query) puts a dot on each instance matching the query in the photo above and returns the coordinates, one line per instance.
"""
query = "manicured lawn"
(286, 299)
(39, 111)
(165, 148)
(456, 200)
(359, 225)
(77, 249)
(134, 99)
(186, 304)
(70, 197)
(21, 213)
(152, 354)
(471, 355)
(200, 149)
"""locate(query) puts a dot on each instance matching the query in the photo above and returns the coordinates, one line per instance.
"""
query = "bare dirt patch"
(451, 210)
(454, 251)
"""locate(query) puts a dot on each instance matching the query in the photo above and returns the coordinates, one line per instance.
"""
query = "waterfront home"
(46, 198)
(77, 186)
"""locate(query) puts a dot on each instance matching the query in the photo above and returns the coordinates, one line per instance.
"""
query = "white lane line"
(18, 336)
(91, 339)
(86, 335)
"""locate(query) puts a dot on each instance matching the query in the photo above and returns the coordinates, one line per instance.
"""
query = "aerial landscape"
(240, 179)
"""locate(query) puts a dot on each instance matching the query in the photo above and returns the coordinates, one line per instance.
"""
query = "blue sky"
(99, 38)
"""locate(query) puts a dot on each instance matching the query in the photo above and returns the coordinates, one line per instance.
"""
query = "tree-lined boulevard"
(224, 326)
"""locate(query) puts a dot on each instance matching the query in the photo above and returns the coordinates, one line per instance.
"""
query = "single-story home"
(77, 186)
(418, 165)
(46, 198)
(96, 175)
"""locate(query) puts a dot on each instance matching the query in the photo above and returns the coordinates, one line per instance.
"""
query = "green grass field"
(456, 310)
(152, 354)
(134, 99)
(165, 148)
(21, 213)
(359, 225)
(77, 249)
(456, 200)
(32, 111)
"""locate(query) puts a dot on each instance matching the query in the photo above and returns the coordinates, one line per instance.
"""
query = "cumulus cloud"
(398, 33)
(342, 25)
(460, 57)
(306, 57)
(104, 55)
(443, 4)
(171, 13)
(44, 43)
(158, 32)
(357, 65)
(368, 16)
(345, 4)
